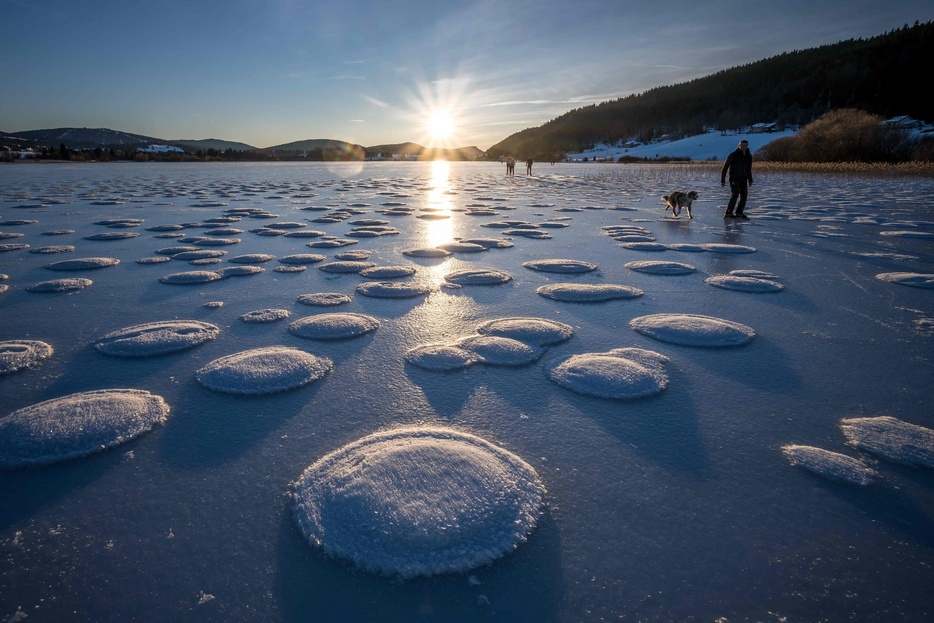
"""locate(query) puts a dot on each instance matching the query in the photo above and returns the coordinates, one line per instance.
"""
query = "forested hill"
(885, 75)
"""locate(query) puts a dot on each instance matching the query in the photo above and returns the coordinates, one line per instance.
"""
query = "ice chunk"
(191, 277)
(587, 292)
(892, 439)
(418, 501)
(478, 276)
(156, 338)
(440, 357)
(263, 371)
(84, 263)
(499, 351)
(830, 465)
(915, 280)
(560, 266)
(324, 299)
(17, 355)
(622, 373)
(77, 425)
(265, 315)
(392, 289)
(661, 267)
(60, 285)
(693, 330)
(333, 326)
(534, 331)
(744, 284)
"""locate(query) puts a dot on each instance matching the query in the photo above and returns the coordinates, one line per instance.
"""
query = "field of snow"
(432, 392)
(710, 146)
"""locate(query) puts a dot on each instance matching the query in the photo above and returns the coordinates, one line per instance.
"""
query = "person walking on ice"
(739, 165)
(528, 167)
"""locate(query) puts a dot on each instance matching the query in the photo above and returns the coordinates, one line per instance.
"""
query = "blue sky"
(274, 71)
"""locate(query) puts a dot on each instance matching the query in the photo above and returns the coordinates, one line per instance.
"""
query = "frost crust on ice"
(830, 465)
(440, 357)
(77, 425)
(478, 276)
(333, 326)
(693, 330)
(392, 289)
(535, 331)
(560, 266)
(265, 315)
(263, 371)
(744, 284)
(191, 277)
(418, 501)
(323, 299)
(156, 338)
(660, 267)
(622, 373)
(891, 439)
(915, 280)
(60, 285)
(84, 263)
(588, 292)
(16, 355)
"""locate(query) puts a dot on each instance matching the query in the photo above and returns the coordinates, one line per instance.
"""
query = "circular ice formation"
(687, 247)
(239, 271)
(251, 258)
(354, 254)
(324, 299)
(722, 247)
(693, 330)
(265, 315)
(112, 235)
(263, 371)
(17, 355)
(191, 277)
(744, 284)
(500, 351)
(387, 272)
(55, 248)
(392, 289)
(830, 465)
(644, 246)
(915, 280)
(463, 247)
(892, 439)
(155, 259)
(622, 373)
(156, 338)
(418, 501)
(333, 326)
(60, 285)
(587, 292)
(77, 425)
(660, 267)
(478, 276)
(432, 252)
(345, 266)
(440, 357)
(560, 266)
(302, 258)
(535, 331)
(200, 254)
(84, 263)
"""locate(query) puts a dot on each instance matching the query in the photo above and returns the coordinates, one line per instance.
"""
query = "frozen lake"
(672, 502)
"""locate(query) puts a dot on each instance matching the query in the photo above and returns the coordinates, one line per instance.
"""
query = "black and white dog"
(678, 200)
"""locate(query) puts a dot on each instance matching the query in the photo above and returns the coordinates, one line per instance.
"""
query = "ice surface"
(622, 373)
(333, 326)
(830, 465)
(418, 501)
(693, 330)
(263, 371)
(891, 439)
(156, 338)
(77, 425)
(18, 355)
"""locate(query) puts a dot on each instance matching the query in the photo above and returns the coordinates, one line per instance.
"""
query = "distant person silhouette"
(739, 165)
(510, 166)
(528, 167)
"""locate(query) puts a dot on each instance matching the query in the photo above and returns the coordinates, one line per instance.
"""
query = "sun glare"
(440, 125)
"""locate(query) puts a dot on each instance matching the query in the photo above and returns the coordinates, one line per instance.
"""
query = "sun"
(440, 125)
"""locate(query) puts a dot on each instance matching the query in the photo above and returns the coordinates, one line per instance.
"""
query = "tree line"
(881, 75)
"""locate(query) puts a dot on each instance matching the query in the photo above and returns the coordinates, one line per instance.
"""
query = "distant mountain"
(210, 143)
(312, 144)
(84, 138)
(879, 75)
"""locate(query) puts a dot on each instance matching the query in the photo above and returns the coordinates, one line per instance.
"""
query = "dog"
(678, 200)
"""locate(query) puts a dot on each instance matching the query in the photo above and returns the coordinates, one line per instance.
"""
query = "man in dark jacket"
(739, 164)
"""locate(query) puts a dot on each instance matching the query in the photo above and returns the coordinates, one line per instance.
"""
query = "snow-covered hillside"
(709, 146)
